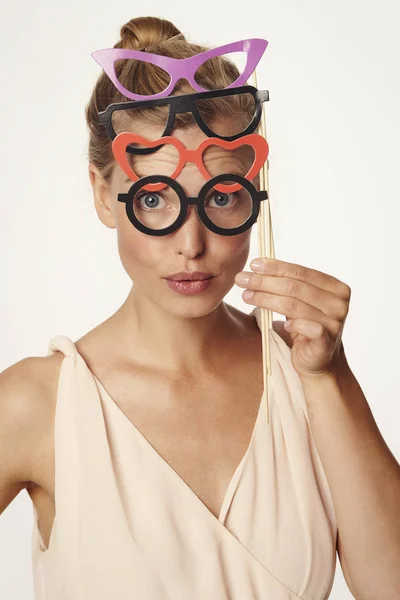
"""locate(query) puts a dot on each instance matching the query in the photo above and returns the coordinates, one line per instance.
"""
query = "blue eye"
(220, 198)
(223, 199)
(152, 200)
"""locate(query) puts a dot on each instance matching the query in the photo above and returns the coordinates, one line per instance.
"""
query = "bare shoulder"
(278, 326)
(28, 392)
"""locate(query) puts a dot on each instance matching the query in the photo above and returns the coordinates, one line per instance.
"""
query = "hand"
(317, 305)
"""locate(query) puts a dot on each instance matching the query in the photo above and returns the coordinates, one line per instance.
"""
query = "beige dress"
(127, 526)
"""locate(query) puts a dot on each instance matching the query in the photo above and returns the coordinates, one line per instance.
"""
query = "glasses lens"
(227, 115)
(163, 162)
(219, 160)
(148, 122)
(141, 77)
(156, 210)
(228, 210)
(214, 72)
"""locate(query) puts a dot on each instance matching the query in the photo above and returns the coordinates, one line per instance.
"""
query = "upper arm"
(343, 565)
(19, 402)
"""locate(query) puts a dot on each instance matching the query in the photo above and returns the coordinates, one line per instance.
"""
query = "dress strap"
(62, 343)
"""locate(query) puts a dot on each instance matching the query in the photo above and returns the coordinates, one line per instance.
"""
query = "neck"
(174, 343)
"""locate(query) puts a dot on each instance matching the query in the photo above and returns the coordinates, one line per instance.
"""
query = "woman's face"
(149, 259)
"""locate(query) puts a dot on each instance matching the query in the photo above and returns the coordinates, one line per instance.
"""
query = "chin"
(192, 307)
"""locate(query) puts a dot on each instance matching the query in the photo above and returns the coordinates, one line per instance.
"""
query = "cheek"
(231, 252)
(237, 244)
(134, 247)
(141, 255)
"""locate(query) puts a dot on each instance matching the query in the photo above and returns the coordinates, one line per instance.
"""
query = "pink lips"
(189, 287)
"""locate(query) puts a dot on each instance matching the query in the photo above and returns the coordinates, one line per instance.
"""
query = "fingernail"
(247, 294)
(243, 278)
(257, 265)
(287, 324)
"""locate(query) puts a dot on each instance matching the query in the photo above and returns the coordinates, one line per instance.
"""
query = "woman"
(143, 445)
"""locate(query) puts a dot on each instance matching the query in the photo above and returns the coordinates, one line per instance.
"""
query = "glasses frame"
(186, 201)
(180, 68)
(186, 103)
(195, 155)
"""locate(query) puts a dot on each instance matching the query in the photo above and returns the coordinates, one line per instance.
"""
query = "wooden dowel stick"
(265, 251)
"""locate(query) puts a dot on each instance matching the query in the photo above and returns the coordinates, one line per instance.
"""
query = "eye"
(151, 200)
(222, 199)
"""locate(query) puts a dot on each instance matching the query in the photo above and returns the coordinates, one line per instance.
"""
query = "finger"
(280, 268)
(310, 329)
(328, 303)
(320, 341)
(295, 309)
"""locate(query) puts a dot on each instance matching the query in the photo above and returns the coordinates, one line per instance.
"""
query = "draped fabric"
(127, 526)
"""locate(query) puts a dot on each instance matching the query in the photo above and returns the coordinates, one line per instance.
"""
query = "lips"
(189, 287)
(195, 276)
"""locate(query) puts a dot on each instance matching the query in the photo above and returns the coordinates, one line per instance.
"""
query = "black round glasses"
(164, 211)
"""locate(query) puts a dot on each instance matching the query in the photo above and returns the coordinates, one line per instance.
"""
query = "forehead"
(190, 135)
(215, 157)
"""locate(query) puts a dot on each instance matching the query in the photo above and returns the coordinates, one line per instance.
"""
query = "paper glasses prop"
(237, 217)
(178, 68)
(257, 142)
(196, 104)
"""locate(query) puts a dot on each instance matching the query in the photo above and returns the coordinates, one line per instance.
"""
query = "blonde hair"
(158, 36)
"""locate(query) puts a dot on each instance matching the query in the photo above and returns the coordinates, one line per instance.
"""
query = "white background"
(332, 69)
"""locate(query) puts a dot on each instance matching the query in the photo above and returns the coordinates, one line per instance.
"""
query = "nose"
(192, 221)
(190, 238)
(191, 181)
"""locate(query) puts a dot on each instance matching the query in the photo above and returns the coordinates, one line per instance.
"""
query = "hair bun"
(144, 32)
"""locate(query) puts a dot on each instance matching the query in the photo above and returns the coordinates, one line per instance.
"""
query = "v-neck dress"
(127, 526)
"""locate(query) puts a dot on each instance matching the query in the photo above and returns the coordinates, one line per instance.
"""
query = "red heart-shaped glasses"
(257, 142)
